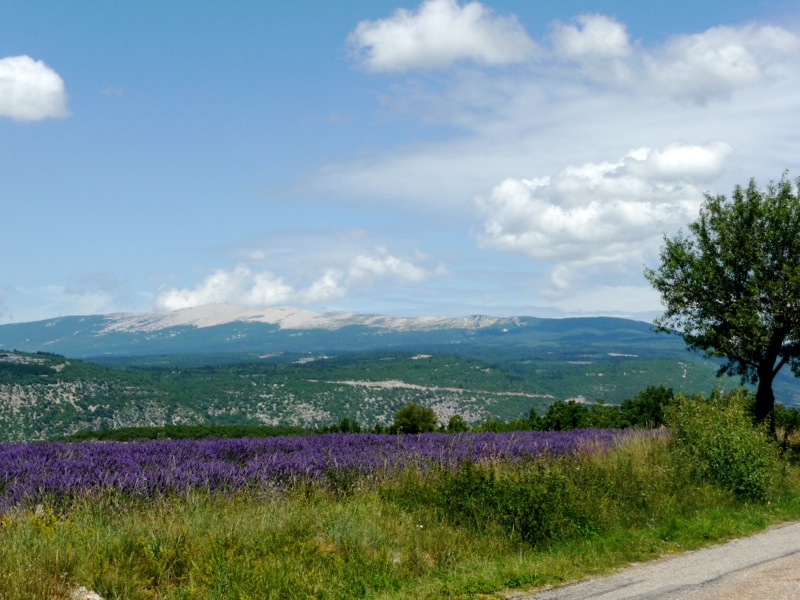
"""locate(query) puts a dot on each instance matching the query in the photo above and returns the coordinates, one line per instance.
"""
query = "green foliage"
(787, 422)
(646, 409)
(457, 424)
(605, 416)
(64, 396)
(538, 504)
(455, 533)
(541, 501)
(536, 422)
(732, 287)
(716, 437)
(346, 425)
(413, 418)
(565, 415)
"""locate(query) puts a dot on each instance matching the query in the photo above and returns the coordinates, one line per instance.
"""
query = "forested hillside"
(46, 396)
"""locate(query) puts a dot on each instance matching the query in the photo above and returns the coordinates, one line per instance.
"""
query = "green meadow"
(475, 530)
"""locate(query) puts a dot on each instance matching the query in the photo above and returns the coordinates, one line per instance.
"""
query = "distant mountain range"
(221, 364)
(222, 328)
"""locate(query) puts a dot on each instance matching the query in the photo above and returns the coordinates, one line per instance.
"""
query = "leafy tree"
(731, 287)
(604, 416)
(493, 425)
(787, 420)
(346, 426)
(563, 416)
(646, 409)
(457, 424)
(536, 422)
(413, 418)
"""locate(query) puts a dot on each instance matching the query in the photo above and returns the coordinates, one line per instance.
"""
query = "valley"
(198, 367)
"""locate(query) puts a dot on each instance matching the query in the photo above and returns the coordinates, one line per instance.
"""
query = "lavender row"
(52, 471)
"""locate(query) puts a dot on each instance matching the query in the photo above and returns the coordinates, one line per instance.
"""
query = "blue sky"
(406, 158)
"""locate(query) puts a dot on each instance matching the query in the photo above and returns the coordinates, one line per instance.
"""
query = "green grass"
(469, 533)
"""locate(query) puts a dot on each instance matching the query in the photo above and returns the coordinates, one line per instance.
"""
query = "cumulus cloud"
(238, 286)
(328, 287)
(609, 215)
(30, 90)
(437, 34)
(699, 67)
(382, 264)
(593, 36)
(244, 286)
(598, 44)
(720, 61)
(584, 97)
(687, 162)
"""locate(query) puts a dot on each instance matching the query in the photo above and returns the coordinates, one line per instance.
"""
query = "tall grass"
(458, 532)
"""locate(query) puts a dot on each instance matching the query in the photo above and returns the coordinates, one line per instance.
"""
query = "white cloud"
(557, 112)
(382, 264)
(238, 286)
(265, 289)
(608, 215)
(688, 162)
(246, 287)
(720, 61)
(327, 287)
(30, 90)
(438, 34)
(590, 97)
(699, 67)
(594, 36)
(598, 44)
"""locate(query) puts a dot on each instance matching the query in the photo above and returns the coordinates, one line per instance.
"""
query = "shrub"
(457, 424)
(717, 438)
(413, 418)
(537, 503)
(592, 489)
(646, 409)
(563, 416)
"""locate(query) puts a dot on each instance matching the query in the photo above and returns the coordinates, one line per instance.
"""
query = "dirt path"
(765, 566)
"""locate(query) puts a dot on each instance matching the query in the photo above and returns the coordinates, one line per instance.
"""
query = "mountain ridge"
(229, 365)
(228, 328)
(210, 315)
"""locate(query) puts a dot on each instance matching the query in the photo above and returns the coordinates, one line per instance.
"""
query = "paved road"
(765, 566)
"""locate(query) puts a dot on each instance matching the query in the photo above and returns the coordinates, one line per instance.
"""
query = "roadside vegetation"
(431, 515)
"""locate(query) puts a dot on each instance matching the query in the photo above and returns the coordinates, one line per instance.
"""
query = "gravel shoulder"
(765, 565)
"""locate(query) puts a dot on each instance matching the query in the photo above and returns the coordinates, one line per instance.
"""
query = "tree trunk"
(765, 399)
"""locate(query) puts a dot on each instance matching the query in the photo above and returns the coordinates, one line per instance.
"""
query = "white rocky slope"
(287, 318)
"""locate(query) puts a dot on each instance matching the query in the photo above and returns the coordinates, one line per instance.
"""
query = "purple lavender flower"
(57, 471)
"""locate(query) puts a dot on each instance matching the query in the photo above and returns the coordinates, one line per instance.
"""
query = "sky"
(434, 158)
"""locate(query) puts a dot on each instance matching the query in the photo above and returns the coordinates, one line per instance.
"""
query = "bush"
(597, 489)
(564, 416)
(646, 409)
(457, 424)
(787, 423)
(413, 418)
(717, 438)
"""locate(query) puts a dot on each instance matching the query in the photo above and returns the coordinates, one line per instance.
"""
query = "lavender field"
(58, 471)
(344, 516)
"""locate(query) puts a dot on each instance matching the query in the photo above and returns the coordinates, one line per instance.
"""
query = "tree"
(646, 409)
(457, 424)
(413, 418)
(731, 287)
(565, 415)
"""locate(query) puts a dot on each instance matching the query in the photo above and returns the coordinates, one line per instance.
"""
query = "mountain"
(221, 364)
(222, 328)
